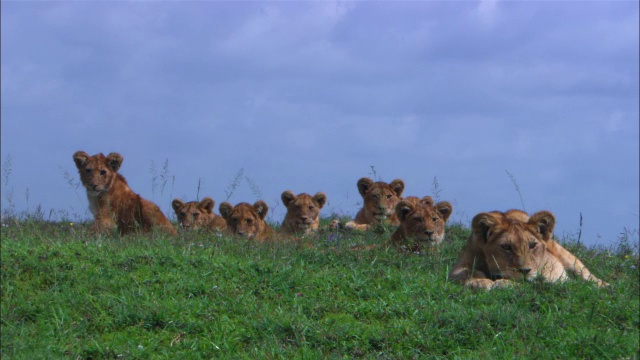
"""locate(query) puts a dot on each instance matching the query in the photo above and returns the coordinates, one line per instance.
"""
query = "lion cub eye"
(417, 219)
(103, 172)
(88, 171)
(182, 213)
(195, 214)
(435, 218)
(532, 244)
(376, 197)
(311, 207)
(249, 221)
(506, 247)
(389, 197)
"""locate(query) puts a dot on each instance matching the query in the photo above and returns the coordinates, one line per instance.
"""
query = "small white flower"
(140, 347)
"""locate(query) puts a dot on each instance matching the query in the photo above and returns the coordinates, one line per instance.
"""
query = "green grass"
(69, 294)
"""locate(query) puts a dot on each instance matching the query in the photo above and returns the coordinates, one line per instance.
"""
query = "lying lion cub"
(380, 200)
(111, 200)
(247, 220)
(421, 222)
(303, 212)
(196, 215)
(509, 246)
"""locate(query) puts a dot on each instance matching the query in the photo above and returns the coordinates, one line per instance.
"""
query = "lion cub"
(303, 212)
(111, 200)
(507, 246)
(196, 215)
(421, 222)
(247, 220)
(380, 200)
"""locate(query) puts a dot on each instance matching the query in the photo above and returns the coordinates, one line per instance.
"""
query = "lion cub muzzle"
(381, 216)
(382, 212)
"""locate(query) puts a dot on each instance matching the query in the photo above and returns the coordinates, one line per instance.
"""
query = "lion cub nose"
(428, 232)
(524, 271)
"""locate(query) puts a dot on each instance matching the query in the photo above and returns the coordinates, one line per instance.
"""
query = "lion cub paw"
(502, 283)
(486, 284)
(335, 224)
(351, 225)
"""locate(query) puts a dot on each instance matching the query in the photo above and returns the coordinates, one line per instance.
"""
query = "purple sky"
(308, 96)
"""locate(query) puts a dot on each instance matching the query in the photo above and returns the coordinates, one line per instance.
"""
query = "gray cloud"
(307, 96)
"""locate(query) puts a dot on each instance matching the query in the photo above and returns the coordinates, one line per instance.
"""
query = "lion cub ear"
(320, 198)
(482, 225)
(225, 210)
(403, 208)
(445, 209)
(398, 187)
(261, 208)
(287, 197)
(176, 204)
(364, 184)
(80, 158)
(207, 205)
(543, 222)
(427, 200)
(114, 160)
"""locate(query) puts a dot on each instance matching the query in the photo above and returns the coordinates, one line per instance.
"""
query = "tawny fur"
(380, 200)
(427, 200)
(195, 215)
(504, 247)
(112, 202)
(421, 223)
(303, 212)
(247, 220)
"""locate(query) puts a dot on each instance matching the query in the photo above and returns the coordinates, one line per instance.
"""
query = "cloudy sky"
(490, 105)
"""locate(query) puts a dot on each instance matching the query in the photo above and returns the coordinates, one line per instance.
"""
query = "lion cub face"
(97, 172)
(194, 215)
(380, 198)
(303, 211)
(513, 244)
(423, 221)
(245, 219)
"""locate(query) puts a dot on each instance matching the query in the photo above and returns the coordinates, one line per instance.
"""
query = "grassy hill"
(69, 294)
